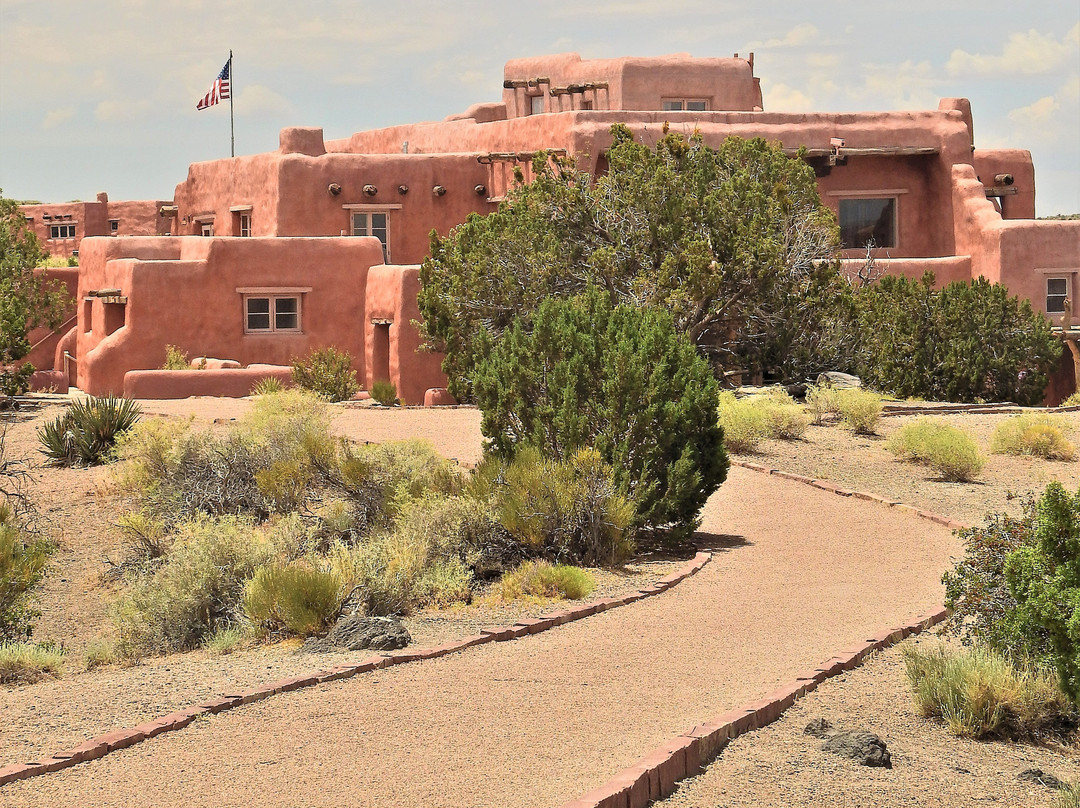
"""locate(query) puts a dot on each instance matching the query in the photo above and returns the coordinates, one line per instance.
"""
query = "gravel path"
(799, 575)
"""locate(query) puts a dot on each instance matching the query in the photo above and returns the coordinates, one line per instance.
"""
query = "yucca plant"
(86, 433)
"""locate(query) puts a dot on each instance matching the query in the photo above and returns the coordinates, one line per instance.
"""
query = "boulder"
(865, 748)
(832, 378)
(1039, 777)
(357, 633)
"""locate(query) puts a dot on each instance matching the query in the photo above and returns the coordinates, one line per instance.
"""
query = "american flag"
(219, 91)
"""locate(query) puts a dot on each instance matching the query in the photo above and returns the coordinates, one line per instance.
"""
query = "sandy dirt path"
(799, 575)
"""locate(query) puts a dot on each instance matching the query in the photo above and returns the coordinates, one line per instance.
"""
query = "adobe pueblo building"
(318, 243)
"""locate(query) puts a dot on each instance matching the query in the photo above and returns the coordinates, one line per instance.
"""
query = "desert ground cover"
(78, 505)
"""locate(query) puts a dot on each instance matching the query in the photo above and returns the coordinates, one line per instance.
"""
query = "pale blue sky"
(100, 96)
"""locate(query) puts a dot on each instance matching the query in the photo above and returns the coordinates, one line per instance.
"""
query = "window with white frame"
(245, 225)
(62, 231)
(684, 104)
(373, 223)
(268, 313)
(114, 226)
(536, 104)
(206, 229)
(1057, 289)
(866, 221)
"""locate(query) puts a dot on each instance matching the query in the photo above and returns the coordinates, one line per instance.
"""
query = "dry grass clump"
(1068, 796)
(856, 408)
(541, 579)
(26, 662)
(771, 415)
(297, 598)
(946, 449)
(1033, 434)
(981, 694)
(99, 653)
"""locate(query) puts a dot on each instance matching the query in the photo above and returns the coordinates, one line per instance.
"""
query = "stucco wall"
(43, 341)
(136, 218)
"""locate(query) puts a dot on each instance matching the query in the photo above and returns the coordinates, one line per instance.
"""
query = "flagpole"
(232, 87)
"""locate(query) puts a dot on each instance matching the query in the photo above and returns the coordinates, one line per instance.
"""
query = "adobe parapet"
(302, 140)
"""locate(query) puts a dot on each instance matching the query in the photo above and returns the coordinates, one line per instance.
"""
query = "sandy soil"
(802, 573)
(540, 721)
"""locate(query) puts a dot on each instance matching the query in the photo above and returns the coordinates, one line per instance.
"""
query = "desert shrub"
(193, 590)
(176, 359)
(295, 598)
(1044, 578)
(1068, 796)
(15, 380)
(784, 419)
(859, 409)
(948, 450)
(226, 639)
(1071, 401)
(744, 424)
(267, 386)
(823, 401)
(541, 579)
(384, 392)
(562, 511)
(984, 610)
(1033, 434)
(26, 662)
(584, 373)
(99, 653)
(88, 431)
(968, 341)
(326, 372)
(23, 559)
(981, 694)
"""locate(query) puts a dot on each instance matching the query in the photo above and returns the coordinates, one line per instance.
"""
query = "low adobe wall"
(946, 270)
(227, 382)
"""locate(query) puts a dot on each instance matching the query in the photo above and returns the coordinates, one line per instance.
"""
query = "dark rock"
(356, 633)
(819, 728)
(1040, 777)
(865, 748)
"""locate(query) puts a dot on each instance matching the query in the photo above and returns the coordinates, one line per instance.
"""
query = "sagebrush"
(326, 372)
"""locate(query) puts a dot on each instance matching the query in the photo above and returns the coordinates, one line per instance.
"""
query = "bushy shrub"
(541, 579)
(326, 372)
(1068, 796)
(25, 662)
(981, 694)
(1044, 578)
(744, 424)
(99, 653)
(384, 392)
(859, 409)
(785, 419)
(1033, 434)
(620, 380)
(984, 610)
(948, 450)
(175, 359)
(295, 598)
(23, 559)
(86, 433)
(969, 341)
(562, 511)
(1071, 401)
(823, 401)
(197, 587)
(226, 639)
(15, 380)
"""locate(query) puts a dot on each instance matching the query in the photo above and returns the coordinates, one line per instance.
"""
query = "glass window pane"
(537, 105)
(672, 106)
(359, 224)
(286, 314)
(695, 106)
(1056, 286)
(258, 322)
(868, 221)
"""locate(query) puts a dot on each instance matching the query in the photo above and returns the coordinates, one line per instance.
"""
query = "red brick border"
(122, 738)
(833, 488)
(654, 776)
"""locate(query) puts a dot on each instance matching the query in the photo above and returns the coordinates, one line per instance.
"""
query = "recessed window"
(245, 225)
(62, 231)
(1057, 289)
(206, 229)
(271, 313)
(373, 223)
(586, 104)
(684, 104)
(114, 226)
(868, 222)
(536, 104)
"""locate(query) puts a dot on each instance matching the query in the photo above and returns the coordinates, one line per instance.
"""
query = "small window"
(687, 104)
(62, 231)
(868, 222)
(245, 225)
(114, 226)
(373, 224)
(206, 229)
(272, 313)
(586, 104)
(536, 104)
(696, 106)
(1057, 290)
(672, 106)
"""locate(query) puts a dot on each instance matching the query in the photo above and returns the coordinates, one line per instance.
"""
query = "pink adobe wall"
(43, 342)
(634, 83)
(946, 270)
(231, 383)
(136, 218)
(183, 291)
(1017, 162)
(212, 187)
(391, 295)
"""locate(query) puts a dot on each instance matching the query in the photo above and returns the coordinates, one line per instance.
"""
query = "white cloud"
(1037, 113)
(1028, 53)
(255, 99)
(799, 35)
(908, 85)
(120, 109)
(782, 98)
(55, 117)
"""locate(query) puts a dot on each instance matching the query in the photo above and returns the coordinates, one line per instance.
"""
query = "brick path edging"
(118, 739)
(655, 776)
(833, 488)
